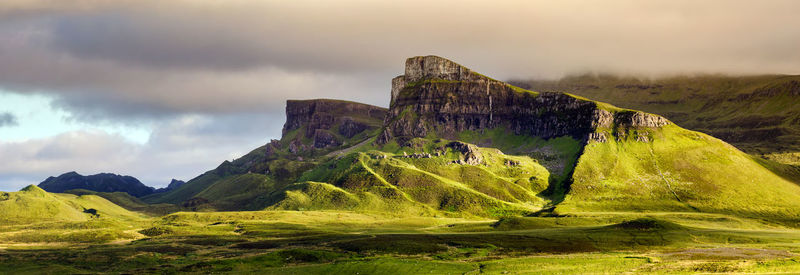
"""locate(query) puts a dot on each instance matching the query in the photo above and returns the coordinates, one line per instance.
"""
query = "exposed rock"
(398, 83)
(639, 119)
(350, 127)
(417, 155)
(470, 152)
(316, 118)
(444, 97)
(323, 139)
(323, 113)
(598, 137)
(296, 146)
(428, 67)
(270, 150)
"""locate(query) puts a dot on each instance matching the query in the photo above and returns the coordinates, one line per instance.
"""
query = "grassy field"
(342, 242)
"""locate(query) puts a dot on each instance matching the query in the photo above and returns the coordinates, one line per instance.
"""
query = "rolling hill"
(33, 204)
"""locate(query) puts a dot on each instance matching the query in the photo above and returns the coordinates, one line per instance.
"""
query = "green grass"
(384, 181)
(324, 242)
(758, 114)
(32, 204)
(35, 216)
(680, 170)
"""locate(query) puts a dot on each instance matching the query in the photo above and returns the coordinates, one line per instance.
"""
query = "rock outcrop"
(436, 95)
(324, 123)
(469, 151)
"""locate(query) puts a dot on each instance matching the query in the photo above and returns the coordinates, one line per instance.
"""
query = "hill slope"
(455, 142)
(313, 128)
(33, 205)
(758, 114)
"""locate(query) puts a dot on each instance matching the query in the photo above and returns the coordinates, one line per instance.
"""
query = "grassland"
(60, 236)
(343, 242)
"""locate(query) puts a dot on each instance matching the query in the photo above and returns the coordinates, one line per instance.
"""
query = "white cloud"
(181, 148)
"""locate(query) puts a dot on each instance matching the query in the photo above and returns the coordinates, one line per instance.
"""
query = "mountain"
(104, 182)
(758, 114)
(457, 143)
(313, 129)
(173, 184)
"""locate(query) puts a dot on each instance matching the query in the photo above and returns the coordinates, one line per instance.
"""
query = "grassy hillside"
(281, 161)
(432, 179)
(679, 170)
(32, 204)
(129, 202)
(35, 216)
(758, 114)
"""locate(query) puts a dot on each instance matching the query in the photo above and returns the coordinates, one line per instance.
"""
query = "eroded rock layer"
(438, 96)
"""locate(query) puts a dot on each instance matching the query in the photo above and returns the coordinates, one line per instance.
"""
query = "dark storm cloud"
(8, 119)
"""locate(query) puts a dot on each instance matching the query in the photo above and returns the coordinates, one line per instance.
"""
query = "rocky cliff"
(322, 123)
(438, 96)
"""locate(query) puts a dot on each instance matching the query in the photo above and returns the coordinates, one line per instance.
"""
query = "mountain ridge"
(455, 142)
(103, 182)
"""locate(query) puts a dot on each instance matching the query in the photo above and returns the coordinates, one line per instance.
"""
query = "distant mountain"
(174, 184)
(104, 182)
(457, 143)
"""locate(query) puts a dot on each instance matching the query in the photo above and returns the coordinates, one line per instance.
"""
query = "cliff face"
(325, 123)
(442, 97)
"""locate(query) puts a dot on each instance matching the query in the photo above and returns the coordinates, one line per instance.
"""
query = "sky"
(169, 89)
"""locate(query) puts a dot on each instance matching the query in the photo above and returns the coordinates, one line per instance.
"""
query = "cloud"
(182, 148)
(213, 76)
(8, 120)
(123, 59)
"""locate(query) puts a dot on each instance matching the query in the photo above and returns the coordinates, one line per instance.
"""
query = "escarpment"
(440, 97)
(322, 123)
(454, 141)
